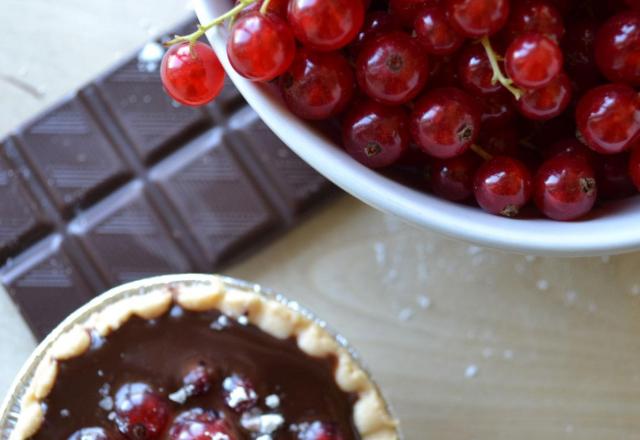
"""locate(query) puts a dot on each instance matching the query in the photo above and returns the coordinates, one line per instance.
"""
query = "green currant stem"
(195, 36)
(498, 76)
(481, 152)
(265, 6)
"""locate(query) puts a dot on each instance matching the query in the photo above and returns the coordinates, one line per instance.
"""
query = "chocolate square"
(71, 155)
(151, 120)
(214, 196)
(126, 238)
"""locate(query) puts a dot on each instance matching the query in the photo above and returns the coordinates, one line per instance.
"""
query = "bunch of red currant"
(501, 101)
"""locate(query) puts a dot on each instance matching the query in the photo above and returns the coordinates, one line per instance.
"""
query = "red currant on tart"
(141, 413)
(198, 380)
(198, 424)
(239, 393)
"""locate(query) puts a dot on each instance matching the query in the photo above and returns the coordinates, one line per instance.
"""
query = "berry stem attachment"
(202, 29)
(484, 154)
(498, 76)
(265, 6)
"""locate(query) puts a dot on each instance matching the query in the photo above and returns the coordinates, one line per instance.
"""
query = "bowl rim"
(11, 404)
(598, 235)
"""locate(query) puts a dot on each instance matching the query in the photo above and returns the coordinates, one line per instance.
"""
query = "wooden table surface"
(468, 343)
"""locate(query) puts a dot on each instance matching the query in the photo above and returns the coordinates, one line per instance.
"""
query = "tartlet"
(170, 357)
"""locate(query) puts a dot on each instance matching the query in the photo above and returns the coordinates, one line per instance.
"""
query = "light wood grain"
(555, 342)
(53, 47)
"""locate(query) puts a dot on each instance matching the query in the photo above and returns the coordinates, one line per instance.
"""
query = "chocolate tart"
(194, 357)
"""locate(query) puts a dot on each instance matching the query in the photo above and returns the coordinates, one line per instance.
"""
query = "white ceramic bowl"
(612, 229)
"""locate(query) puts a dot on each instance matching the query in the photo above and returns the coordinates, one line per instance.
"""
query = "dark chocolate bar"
(119, 182)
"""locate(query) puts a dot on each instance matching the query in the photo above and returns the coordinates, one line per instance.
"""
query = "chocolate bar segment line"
(46, 284)
(126, 238)
(21, 219)
(209, 189)
(71, 156)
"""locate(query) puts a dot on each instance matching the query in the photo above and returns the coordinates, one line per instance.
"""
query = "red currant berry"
(634, 167)
(198, 380)
(192, 77)
(445, 122)
(392, 68)
(374, 134)
(452, 179)
(502, 186)
(538, 16)
(533, 61)
(565, 187)
(375, 23)
(475, 71)
(608, 118)
(141, 414)
(239, 393)
(326, 25)
(548, 101)
(197, 424)
(435, 33)
(618, 48)
(614, 180)
(318, 85)
(477, 18)
(406, 10)
(90, 434)
(260, 46)
(318, 431)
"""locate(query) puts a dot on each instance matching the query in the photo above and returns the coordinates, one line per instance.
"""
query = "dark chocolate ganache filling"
(197, 375)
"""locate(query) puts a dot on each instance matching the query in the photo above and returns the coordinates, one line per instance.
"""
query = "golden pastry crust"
(370, 413)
